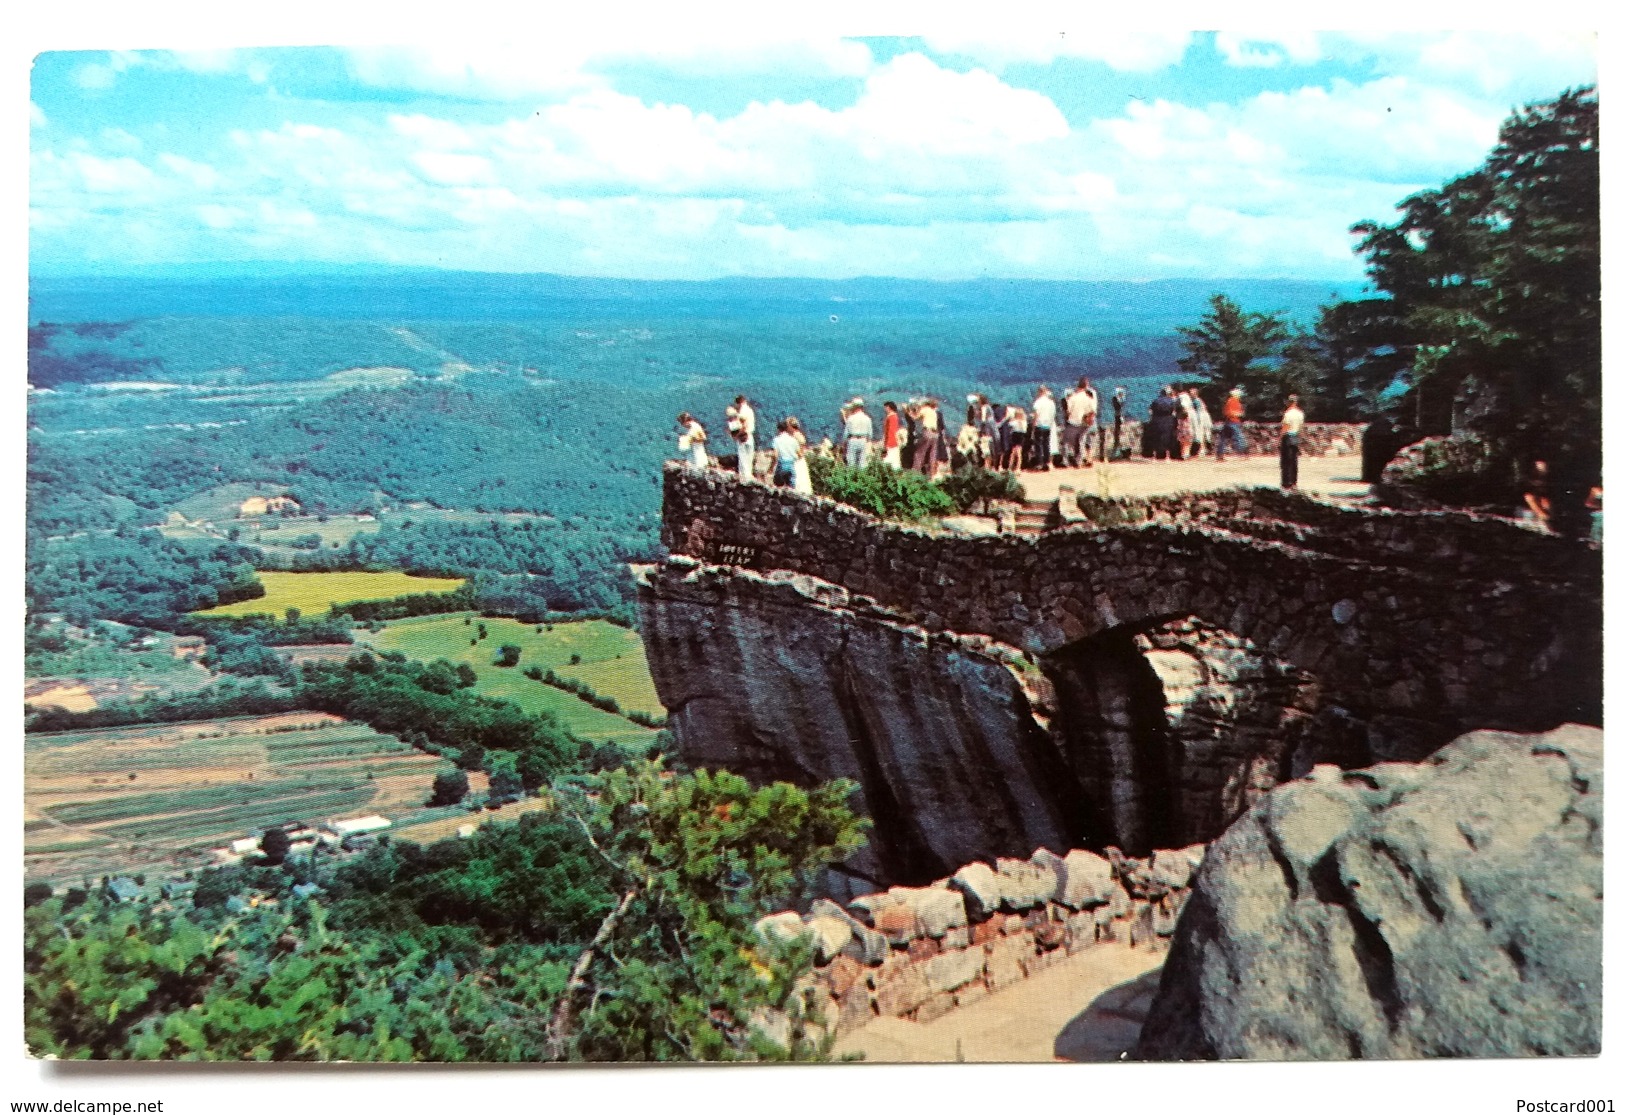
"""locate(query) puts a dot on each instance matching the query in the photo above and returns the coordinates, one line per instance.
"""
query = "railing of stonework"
(919, 952)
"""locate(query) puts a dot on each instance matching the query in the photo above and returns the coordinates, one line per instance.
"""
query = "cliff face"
(786, 677)
(1451, 908)
(1140, 684)
(964, 747)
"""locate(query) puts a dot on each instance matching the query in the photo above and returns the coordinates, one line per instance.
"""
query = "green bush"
(880, 490)
(974, 487)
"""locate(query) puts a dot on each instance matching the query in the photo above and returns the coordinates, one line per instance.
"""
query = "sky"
(1059, 155)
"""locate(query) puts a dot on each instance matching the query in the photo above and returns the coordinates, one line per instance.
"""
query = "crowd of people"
(1069, 432)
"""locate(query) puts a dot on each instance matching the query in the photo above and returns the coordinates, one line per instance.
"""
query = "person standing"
(1291, 427)
(801, 480)
(890, 444)
(1015, 421)
(1119, 401)
(1184, 425)
(1082, 406)
(1043, 424)
(746, 438)
(1230, 433)
(925, 446)
(1160, 429)
(786, 452)
(860, 431)
(691, 440)
(1201, 423)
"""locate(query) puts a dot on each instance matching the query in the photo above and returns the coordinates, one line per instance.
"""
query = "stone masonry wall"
(919, 952)
(1319, 439)
(1481, 625)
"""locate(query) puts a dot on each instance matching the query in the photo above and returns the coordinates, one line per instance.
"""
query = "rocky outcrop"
(1447, 908)
(1139, 679)
(779, 676)
(964, 748)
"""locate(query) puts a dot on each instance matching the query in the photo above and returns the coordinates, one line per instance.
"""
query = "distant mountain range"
(338, 291)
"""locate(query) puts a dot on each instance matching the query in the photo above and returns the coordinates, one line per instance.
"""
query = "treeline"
(227, 698)
(430, 705)
(463, 950)
(1486, 327)
(579, 688)
(523, 568)
(135, 576)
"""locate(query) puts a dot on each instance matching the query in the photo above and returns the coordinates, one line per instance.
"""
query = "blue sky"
(1104, 155)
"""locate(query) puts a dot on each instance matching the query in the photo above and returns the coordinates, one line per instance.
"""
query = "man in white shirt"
(746, 437)
(1043, 425)
(859, 432)
(1291, 427)
(1082, 405)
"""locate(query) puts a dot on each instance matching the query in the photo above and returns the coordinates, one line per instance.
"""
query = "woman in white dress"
(692, 440)
(802, 481)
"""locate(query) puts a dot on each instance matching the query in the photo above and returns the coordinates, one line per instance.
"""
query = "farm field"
(611, 661)
(445, 827)
(314, 593)
(115, 799)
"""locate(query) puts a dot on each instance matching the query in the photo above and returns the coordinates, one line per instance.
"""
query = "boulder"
(937, 908)
(1173, 869)
(952, 970)
(904, 991)
(865, 907)
(782, 927)
(1447, 908)
(830, 936)
(868, 947)
(982, 889)
(1025, 885)
(898, 924)
(1085, 880)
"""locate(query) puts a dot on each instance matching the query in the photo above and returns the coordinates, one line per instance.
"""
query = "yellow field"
(314, 593)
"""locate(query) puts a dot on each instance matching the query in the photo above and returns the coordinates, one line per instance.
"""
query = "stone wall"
(1318, 439)
(1460, 621)
(919, 952)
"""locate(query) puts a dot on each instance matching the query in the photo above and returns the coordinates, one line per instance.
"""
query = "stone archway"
(1174, 727)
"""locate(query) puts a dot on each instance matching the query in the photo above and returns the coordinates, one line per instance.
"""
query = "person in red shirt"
(889, 441)
(1230, 433)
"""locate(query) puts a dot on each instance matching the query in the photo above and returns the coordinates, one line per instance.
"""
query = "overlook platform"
(1334, 477)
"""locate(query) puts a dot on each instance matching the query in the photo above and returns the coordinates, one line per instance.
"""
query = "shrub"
(450, 787)
(974, 487)
(507, 655)
(880, 490)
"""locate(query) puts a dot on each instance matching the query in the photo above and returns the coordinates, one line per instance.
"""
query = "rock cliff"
(1442, 909)
(1139, 679)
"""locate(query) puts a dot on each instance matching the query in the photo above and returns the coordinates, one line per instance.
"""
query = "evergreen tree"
(1495, 280)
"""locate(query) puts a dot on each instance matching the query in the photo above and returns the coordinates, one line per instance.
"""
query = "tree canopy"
(1495, 286)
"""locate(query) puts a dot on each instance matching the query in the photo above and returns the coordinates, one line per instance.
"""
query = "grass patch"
(615, 653)
(314, 593)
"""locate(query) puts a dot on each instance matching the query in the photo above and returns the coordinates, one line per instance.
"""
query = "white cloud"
(1132, 51)
(561, 64)
(36, 117)
(1269, 49)
(1520, 65)
(929, 170)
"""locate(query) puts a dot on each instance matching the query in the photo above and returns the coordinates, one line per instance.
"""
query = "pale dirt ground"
(1326, 476)
(1089, 1007)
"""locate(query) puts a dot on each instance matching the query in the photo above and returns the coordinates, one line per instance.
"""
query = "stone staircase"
(1034, 517)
